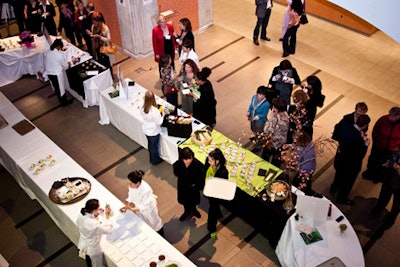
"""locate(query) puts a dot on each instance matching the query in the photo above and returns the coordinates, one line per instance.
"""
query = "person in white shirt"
(151, 126)
(91, 230)
(55, 63)
(188, 53)
(142, 201)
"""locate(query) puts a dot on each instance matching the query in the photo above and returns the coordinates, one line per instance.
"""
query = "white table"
(292, 250)
(16, 61)
(125, 116)
(18, 152)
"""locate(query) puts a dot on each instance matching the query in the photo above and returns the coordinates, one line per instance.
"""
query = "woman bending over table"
(142, 201)
(151, 126)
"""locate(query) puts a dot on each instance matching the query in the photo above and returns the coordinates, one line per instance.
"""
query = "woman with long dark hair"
(215, 167)
(290, 37)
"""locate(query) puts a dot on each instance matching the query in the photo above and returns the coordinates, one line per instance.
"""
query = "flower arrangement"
(26, 36)
(290, 157)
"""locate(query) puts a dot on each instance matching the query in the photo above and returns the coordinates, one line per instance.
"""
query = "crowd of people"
(290, 24)
(281, 116)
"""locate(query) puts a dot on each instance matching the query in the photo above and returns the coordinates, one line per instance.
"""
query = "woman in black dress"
(204, 107)
(32, 16)
(190, 173)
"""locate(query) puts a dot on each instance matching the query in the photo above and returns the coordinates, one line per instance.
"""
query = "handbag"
(303, 19)
(108, 49)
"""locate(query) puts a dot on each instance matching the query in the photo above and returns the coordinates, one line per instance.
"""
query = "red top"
(381, 133)
(158, 40)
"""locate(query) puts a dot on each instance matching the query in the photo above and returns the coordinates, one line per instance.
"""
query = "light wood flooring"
(352, 67)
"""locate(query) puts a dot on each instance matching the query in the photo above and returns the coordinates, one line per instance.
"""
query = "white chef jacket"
(55, 63)
(192, 55)
(144, 199)
(91, 229)
(151, 125)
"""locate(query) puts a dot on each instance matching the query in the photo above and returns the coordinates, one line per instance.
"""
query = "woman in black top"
(204, 107)
(190, 173)
(186, 33)
(215, 167)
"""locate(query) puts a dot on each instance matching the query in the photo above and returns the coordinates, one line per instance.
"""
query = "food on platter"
(179, 120)
(278, 190)
(69, 189)
(202, 137)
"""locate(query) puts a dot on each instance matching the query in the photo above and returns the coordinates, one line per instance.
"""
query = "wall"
(336, 14)
(182, 9)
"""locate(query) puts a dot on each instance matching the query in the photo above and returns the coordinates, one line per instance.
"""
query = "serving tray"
(69, 190)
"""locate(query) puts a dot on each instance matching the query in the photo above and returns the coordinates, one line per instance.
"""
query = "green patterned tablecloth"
(243, 165)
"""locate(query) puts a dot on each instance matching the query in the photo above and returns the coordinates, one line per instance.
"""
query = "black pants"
(56, 86)
(289, 40)
(214, 213)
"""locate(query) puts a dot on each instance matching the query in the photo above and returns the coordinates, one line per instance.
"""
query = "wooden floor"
(352, 67)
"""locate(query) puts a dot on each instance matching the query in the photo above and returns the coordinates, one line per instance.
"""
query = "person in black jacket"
(215, 167)
(353, 145)
(204, 108)
(313, 88)
(390, 187)
(47, 13)
(190, 173)
(283, 78)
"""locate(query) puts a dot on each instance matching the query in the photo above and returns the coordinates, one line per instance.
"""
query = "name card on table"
(312, 209)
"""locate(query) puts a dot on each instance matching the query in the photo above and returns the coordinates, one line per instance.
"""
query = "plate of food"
(278, 190)
(69, 190)
(202, 137)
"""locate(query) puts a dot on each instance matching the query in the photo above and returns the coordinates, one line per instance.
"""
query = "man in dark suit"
(353, 145)
(263, 12)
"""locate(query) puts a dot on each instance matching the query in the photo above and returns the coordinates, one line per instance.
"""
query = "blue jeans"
(263, 23)
(153, 147)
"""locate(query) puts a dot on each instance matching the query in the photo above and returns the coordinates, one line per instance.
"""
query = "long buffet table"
(132, 242)
(18, 60)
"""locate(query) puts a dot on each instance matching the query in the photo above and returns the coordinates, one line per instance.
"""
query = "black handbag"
(303, 19)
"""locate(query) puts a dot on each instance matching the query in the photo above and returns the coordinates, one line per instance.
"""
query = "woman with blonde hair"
(151, 126)
(163, 38)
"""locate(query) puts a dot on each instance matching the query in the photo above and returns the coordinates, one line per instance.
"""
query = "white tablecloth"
(16, 61)
(125, 116)
(18, 152)
(292, 251)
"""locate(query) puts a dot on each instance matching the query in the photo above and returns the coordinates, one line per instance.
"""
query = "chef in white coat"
(91, 230)
(55, 64)
(142, 201)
